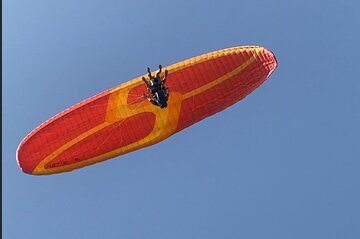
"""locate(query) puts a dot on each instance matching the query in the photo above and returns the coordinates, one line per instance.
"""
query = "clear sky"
(283, 163)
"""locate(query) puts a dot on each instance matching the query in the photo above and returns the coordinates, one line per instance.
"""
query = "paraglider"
(126, 118)
(158, 92)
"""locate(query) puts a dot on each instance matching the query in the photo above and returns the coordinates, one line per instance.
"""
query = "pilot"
(156, 84)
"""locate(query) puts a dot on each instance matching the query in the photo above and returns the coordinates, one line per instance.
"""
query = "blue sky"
(282, 163)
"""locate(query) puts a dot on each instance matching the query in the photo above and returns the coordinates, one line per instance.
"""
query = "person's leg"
(158, 72)
(149, 72)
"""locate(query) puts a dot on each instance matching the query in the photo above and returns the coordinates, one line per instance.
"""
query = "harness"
(156, 84)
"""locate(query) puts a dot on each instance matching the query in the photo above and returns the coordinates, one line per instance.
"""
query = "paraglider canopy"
(121, 119)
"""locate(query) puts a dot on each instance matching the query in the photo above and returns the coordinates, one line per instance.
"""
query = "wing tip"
(19, 159)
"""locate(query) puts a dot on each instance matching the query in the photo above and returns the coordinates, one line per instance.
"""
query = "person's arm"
(146, 82)
(165, 77)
